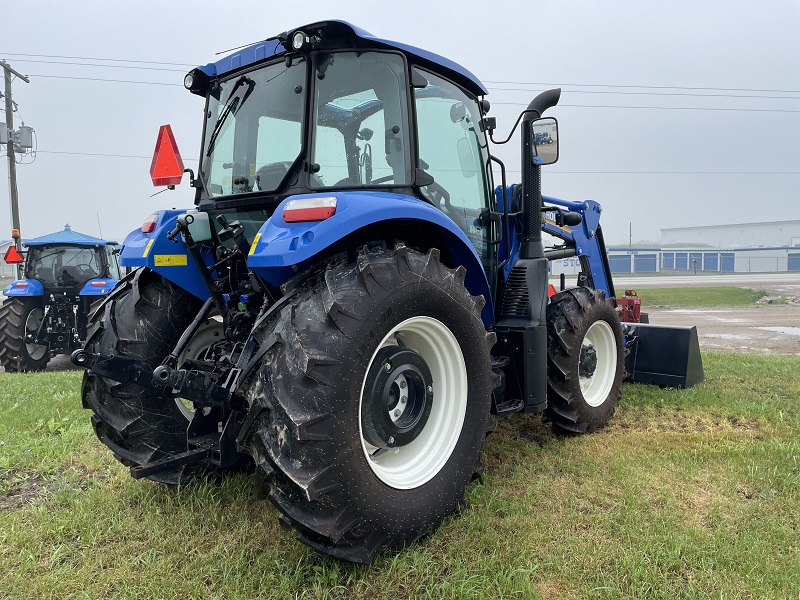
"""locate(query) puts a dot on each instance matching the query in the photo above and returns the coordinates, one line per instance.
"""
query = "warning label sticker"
(170, 260)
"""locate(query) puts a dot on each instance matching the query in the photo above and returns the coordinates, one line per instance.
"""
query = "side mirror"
(544, 135)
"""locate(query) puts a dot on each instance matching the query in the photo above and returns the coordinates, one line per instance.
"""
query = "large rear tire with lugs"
(19, 317)
(142, 318)
(371, 403)
(585, 360)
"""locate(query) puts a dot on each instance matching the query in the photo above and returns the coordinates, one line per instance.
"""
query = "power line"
(77, 64)
(146, 62)
(105, 80)
(667, 172)
(494, 103)
(532, 83)
(646, 87)
(95, 65)
(775, 110)
(653, 93)
(94, 154)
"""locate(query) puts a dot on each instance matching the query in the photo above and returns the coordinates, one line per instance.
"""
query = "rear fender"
(98, 287)
(24, 287)
(281, 249)
(170, 259)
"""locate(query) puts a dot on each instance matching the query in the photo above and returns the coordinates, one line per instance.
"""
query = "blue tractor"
(45, 312)
(346, 319)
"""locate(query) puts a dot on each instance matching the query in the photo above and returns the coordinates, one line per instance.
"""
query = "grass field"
(687, 494)
(700, 296)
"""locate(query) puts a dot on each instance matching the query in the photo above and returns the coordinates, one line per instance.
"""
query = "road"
(761, 329)
(780, 283)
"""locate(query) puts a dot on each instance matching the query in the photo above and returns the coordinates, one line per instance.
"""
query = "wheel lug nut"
(402, 399)
(402, 385)
(391, 440)
(387, 367)
(430, 389)
(397, 412)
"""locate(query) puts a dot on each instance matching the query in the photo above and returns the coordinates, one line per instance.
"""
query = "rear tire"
(142, 318)
(585, 360)
(371, 403)
(18, 317)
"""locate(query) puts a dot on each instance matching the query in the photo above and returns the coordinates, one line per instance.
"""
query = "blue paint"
(267, 49)
(34, 287)
(73, 238)
(136, 245)
(91, 289)
(284, 249)
(620, 263)
(644, 263)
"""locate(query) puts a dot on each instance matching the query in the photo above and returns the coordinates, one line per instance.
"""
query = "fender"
(282, 249)
(24, 287)
(98, 287)
(168, 258)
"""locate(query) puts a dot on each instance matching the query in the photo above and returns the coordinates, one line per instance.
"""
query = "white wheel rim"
(416, 463)
(595, 389)
(211, 333)
(32, 322)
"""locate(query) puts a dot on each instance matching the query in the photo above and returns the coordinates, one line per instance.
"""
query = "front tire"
(18, 318)
(585, 360)
(372, 401)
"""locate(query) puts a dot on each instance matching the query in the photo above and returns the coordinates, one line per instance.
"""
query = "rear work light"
(150, 224)
(309, 209)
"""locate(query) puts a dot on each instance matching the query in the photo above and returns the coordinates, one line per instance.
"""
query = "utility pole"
(12, 164)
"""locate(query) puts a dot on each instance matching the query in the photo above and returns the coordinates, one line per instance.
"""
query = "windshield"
(64, 266)
(254, 130)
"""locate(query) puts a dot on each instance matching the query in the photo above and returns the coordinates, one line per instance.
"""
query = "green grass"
(700, 296)
(687, 494)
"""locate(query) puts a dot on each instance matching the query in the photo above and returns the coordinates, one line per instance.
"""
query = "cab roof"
(345, 35)
(68, 236)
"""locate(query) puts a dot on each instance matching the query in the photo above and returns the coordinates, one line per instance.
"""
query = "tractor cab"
(67, 268)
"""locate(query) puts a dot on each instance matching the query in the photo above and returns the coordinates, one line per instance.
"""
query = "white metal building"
(743, 235)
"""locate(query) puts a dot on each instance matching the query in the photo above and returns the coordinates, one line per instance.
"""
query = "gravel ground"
(762, 329)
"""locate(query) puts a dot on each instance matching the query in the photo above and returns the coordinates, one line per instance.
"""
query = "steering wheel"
(270, 175)
(85, 269)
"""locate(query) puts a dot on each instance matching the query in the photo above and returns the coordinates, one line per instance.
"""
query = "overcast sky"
(737, 160)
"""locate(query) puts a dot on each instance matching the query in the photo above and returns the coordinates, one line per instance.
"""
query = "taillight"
(21, 284)
(98, 284)
(309, 209)
(150, 224)
(551, 290)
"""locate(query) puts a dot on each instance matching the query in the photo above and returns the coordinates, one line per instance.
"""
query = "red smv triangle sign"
(167, 165)
(13, 257)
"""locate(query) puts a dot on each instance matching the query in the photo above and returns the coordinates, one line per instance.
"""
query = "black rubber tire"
(305, 401)
(14, 355)
(142, 318)
(570, 315)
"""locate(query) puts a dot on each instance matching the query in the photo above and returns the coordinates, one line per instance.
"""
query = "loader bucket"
(665, 355)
